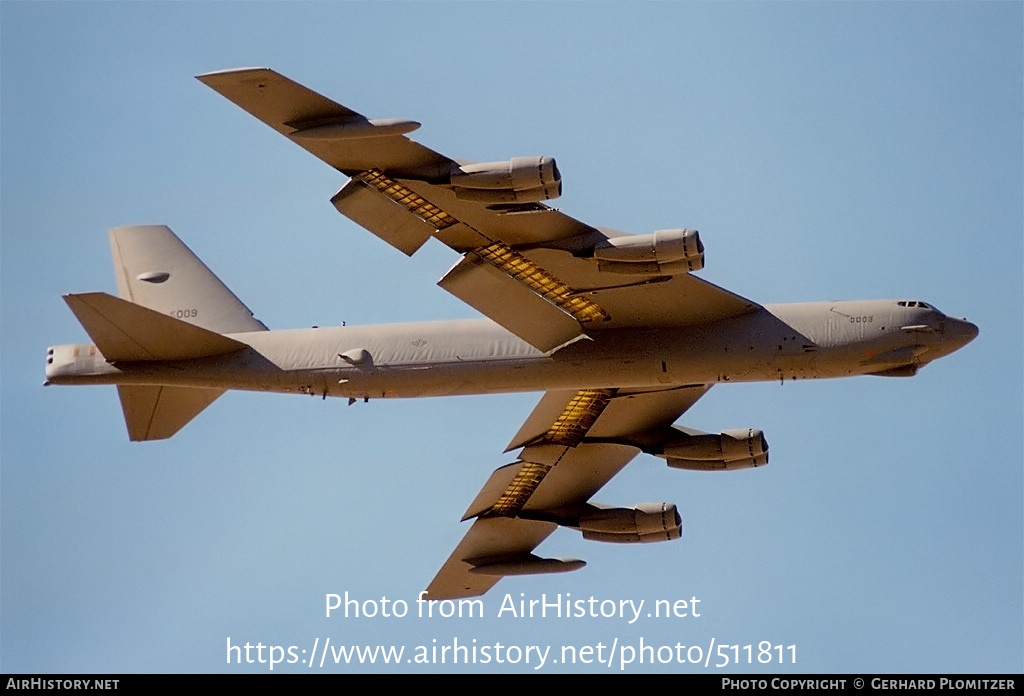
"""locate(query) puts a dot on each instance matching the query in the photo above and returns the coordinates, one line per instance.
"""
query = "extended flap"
(388, 220)
(508, 302)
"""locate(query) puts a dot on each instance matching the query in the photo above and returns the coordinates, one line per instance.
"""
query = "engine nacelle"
(646, 522)
(519, 180)
(727, 451)
(662, 252)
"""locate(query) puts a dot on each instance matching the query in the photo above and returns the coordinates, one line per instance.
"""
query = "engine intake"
(727, 451)
(644, 523)
(519, 180)
(662, 252)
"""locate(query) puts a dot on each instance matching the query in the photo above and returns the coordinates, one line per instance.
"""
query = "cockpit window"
(914, 303)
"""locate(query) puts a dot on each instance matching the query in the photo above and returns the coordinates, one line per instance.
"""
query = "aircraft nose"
(963, 332)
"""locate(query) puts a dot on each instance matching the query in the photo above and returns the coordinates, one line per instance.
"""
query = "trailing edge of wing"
(126, 331)
(503, 299)
(491, 277)
(395, 224)
(492, 540)
(549, 477)
(628, 413)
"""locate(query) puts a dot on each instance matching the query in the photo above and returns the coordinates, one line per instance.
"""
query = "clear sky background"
(824, 151)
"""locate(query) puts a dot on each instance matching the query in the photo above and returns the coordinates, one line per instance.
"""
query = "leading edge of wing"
(542, 275)
(576, 441)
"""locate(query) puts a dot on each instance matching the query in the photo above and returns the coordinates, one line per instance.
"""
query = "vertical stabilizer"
(156, 270)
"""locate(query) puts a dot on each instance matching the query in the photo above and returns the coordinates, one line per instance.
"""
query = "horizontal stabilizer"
(156, 413)
(124, 331)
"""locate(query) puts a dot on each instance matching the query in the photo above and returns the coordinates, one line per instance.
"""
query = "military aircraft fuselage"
(476, 356)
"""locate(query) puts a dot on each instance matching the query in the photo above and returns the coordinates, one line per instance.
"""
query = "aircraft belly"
(509, 376)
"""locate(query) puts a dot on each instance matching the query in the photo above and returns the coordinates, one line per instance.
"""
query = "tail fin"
(126, 332)
(156, 270)
(172, 307)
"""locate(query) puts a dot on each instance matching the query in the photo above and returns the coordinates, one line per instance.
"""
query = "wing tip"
(232, 72)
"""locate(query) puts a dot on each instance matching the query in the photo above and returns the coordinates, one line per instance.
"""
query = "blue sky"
(824, 151)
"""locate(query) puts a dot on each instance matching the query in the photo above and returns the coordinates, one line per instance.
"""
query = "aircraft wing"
(573, 443)
(541, 274)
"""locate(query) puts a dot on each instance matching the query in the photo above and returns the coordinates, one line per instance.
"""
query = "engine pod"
(726, 451)
(644, 523)
(665, 251)
(519, 180)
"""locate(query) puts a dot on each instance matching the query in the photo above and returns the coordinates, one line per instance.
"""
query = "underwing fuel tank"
(528, 565)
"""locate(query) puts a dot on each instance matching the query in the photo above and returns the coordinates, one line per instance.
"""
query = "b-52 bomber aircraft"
(614, 328)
